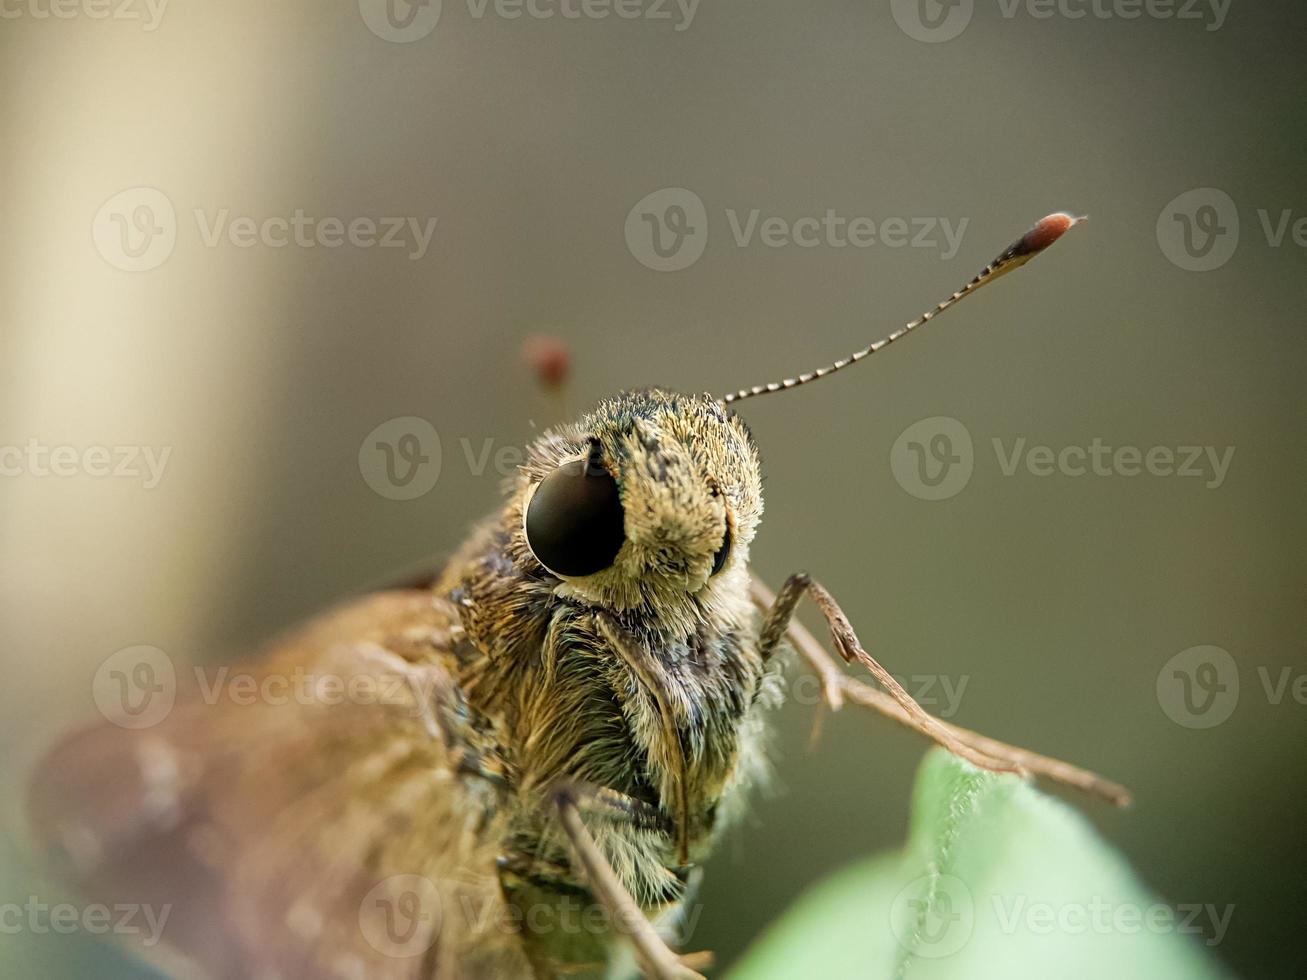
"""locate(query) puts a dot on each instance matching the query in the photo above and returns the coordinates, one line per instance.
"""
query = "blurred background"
(702, 196)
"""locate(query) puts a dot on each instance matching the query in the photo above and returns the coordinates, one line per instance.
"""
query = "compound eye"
(574, 522)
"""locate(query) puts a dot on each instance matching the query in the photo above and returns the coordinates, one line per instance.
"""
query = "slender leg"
(657, 959)
(846, 642)
(601, 801)
(837, 686)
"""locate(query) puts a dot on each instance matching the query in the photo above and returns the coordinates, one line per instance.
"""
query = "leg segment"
(656, 958)
(894, 702)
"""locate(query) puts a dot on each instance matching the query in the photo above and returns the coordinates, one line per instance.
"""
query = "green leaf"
(996, 881)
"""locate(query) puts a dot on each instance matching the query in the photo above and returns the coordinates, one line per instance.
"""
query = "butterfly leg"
(894, 702)
(656, 957)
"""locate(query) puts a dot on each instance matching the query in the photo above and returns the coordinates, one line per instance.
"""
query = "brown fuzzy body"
(268, 827)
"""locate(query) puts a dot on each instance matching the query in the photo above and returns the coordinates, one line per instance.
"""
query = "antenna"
(1043, 234)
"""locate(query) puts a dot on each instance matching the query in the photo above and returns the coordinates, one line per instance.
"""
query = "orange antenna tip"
(1046, 231)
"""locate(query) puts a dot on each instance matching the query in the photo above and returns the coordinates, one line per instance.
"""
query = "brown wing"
(332, 812)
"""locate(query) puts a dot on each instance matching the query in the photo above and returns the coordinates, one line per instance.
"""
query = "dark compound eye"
(723, 552)
(574, 523)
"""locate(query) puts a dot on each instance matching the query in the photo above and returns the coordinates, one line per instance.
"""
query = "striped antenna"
(1044, 233)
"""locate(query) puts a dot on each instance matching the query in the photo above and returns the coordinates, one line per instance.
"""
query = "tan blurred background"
(1057, 600)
